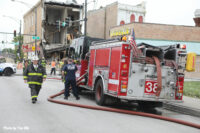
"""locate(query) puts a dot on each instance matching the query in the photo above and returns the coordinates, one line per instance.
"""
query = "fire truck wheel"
(100, 97)
(149, 104)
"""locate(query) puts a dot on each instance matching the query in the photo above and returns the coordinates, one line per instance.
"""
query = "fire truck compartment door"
(113, 83)
(91, 67)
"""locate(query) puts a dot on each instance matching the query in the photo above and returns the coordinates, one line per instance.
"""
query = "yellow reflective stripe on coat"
(25, 77)
(35, 83)
(44, 76)
(34, 96)
(35, 74)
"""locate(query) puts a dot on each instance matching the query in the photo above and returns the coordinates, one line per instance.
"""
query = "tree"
(8, 50)
(18, 39)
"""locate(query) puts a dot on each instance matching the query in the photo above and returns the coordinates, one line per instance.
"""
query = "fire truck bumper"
(149, 99)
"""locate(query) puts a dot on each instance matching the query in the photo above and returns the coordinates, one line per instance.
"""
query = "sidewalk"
(190, 106)
(192, 79)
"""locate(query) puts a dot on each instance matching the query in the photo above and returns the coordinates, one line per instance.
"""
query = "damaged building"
(56, 24)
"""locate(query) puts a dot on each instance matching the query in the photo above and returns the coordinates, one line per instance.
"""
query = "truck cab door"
(113, 83)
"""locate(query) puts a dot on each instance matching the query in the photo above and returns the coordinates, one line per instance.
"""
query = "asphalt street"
(18, 114)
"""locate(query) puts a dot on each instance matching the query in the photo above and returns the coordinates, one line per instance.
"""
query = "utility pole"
(85, 27)
(20, 33)
(20, 42)
(35, 20)
(35, 30)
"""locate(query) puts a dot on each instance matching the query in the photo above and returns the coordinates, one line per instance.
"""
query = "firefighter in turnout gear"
(34, 75)
(43, 62)
(70, 79)
(25, 64)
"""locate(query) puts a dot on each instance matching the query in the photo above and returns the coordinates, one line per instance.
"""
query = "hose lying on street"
(55, 78)
(51, 99)
(122, 111)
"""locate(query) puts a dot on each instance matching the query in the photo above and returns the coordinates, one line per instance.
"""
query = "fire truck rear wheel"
(100, 97)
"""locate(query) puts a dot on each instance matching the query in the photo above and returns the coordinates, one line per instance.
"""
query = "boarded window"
(141, 19)
(122, 22)
(132, 18)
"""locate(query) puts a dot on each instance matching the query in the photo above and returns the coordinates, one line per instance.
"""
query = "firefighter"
(61, 64)
(34, 75)
(29, 62)
(25, 64)
(63, 77)
(53, 67)
(65, 73)
(70, 79)
(43, 62)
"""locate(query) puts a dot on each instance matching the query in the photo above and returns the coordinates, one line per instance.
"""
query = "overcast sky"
(177, 12)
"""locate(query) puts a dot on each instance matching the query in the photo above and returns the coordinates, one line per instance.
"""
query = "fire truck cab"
(112, 70)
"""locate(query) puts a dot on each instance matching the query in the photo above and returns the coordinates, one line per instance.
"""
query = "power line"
(17, 33)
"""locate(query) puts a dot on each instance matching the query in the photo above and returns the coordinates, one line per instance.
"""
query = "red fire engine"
(113, 71)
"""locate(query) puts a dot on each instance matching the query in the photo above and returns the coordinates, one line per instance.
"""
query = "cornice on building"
(162, 31)
(33, 8)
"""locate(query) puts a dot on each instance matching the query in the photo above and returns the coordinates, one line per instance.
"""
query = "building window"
(122, 22)
(140, 19)
(132, 18)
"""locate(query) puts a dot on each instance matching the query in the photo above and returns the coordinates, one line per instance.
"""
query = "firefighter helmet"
(35, 58)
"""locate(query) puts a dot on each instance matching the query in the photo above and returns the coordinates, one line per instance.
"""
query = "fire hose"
(159, 75)
(51, 99)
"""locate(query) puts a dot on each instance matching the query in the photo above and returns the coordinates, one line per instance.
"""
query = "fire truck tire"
(149, 104)
(100, 97)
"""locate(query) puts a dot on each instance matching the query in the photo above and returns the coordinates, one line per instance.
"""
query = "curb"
(17, 75)
(182, 109)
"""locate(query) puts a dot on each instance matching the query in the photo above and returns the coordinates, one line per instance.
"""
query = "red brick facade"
(162, 31)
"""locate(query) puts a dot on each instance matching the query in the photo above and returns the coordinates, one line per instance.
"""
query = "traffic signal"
(14, 33)
(67, 20)
(58, 24)
(63, 24)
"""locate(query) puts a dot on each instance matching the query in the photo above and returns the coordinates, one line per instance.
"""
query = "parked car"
(6, 69)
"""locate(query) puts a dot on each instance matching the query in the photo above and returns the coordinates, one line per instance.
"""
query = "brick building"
(29, 28)
(100, 21)
(197, 17)
(54, 35)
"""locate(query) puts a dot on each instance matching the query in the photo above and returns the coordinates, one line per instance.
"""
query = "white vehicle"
(6, 69)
